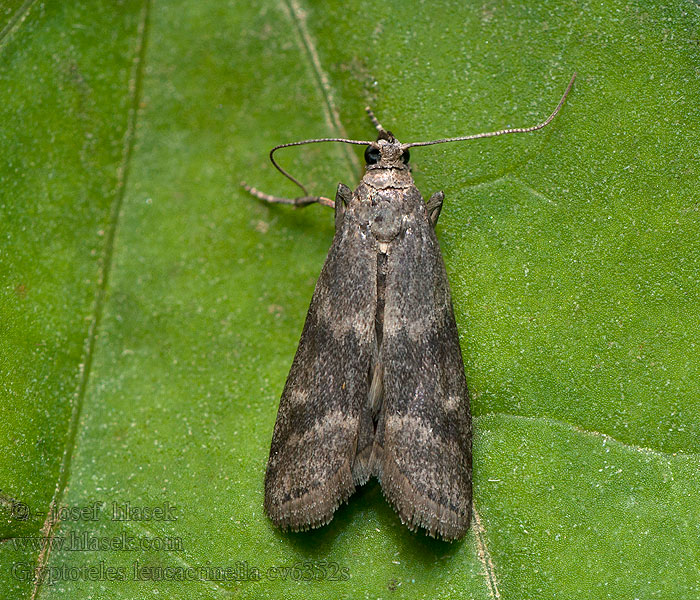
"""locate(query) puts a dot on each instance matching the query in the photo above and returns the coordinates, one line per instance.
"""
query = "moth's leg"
(342, 198)
(434, 206)
(300, 201)
(375, 121)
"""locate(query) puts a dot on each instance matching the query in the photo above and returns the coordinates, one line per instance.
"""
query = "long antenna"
(501, 131)
(315, 141)
(379, 128)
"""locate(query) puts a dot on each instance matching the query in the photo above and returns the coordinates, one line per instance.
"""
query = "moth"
(377, 385)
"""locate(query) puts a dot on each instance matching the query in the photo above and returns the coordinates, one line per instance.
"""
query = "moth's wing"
(422, 452)
(323, 420)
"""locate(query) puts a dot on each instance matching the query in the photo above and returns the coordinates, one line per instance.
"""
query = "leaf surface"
(151, 308)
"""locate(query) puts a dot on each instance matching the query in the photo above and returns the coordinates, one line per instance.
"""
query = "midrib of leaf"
(135, 82)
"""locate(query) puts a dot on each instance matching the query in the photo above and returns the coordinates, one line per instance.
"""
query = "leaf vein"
(51, 524)
(331, 114)
(587, 432)
(485, 556)
(15, 22)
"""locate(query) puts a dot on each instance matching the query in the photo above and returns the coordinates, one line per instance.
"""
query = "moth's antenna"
(377, 125)
(315, 141)
(501, 131)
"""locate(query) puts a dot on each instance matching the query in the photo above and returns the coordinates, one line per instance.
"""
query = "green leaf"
(150, 308)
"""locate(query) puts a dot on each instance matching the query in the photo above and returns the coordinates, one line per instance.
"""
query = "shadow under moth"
(377, 386)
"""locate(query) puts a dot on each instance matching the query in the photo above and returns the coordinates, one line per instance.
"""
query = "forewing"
(323, 420)
(423, 442)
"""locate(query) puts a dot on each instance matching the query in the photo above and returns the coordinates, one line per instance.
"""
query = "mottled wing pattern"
(422, 452)
(323, 419)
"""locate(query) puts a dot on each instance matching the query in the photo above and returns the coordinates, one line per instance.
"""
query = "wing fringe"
(416, 510)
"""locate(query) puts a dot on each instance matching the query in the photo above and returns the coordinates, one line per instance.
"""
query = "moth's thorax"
(385, 214)
(385, 222)
(386, 198)
(381, 178)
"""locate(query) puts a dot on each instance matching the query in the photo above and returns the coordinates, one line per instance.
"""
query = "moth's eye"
(372, 155)
(405, 157)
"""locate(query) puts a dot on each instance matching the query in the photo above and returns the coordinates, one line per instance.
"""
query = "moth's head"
(386, 153)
